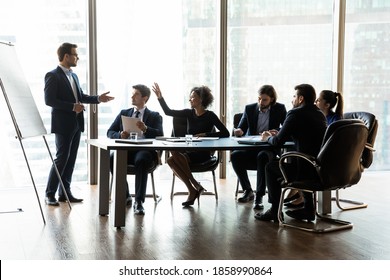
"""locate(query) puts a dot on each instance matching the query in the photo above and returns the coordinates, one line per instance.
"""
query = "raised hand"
(156, 90)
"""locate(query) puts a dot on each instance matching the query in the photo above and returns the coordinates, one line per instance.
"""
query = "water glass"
(133, 136)
(188, 139)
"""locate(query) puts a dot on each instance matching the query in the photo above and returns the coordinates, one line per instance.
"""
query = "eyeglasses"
(75, 54)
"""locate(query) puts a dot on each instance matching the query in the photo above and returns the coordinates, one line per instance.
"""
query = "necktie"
(136, 114)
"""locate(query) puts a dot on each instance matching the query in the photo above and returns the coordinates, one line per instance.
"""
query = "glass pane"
(282, 43)
(36, 36)
(367, 69)
(173, 44)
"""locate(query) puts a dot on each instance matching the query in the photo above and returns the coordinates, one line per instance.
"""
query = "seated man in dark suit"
(305, 124)
(150, 123)
(264, 115)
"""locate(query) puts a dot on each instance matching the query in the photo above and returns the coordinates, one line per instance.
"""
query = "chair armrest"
(294, 154)
(369, 147)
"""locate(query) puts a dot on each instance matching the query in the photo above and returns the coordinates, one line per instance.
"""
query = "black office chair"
(368, 154)
(338, 166)
(180, 130)
(151, 169)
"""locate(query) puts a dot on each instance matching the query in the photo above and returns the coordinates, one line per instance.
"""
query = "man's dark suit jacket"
(152, 120)
(59, 96)
(250, 116)
(306, 126)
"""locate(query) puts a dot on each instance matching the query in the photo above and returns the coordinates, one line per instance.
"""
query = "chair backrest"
(339, 160)
(236, 121)
(179, 127)
(372, 124)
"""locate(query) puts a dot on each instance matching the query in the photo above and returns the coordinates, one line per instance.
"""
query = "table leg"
(103, 183)
(120, 173)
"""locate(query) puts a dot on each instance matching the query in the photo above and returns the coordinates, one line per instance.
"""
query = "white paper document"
(129, 124)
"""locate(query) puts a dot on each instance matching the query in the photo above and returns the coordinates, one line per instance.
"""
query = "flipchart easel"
(23, 110)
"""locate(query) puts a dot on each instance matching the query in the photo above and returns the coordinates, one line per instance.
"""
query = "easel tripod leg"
(32, 179)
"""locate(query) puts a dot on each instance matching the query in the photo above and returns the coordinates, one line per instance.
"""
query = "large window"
(37, 28)
(367, 68)
(281, 43)
(173, 44)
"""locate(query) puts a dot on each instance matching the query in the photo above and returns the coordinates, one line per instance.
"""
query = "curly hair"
(205, 95)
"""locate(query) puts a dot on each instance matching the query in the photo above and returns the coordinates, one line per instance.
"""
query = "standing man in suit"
(64, 94)
(266, 114)
(305, 124)
(150, 123)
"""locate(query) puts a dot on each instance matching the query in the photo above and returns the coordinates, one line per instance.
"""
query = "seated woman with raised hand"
(201, 123)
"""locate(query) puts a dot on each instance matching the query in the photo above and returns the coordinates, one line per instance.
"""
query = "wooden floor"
(214, 230)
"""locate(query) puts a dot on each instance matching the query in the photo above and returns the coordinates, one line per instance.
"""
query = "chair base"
(355, 204)
(238, 189)
(322, 223)
(215, 193)
(186, 193)
(157, 198)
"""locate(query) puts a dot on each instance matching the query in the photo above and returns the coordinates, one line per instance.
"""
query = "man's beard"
(262, 107)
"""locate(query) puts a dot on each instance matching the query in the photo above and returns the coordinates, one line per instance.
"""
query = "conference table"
(120, 148)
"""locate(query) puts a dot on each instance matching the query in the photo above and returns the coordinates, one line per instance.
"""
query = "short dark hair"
(144, 90)
(205, 95)
(307, 91)
(270, 91)
(65, 48)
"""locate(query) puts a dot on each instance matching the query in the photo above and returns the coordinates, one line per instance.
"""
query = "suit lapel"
(65, 80)
(130, 112)
(146, 115)
(255, 119)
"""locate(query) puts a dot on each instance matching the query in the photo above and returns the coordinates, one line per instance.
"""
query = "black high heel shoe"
(201, 190)
(190, 202)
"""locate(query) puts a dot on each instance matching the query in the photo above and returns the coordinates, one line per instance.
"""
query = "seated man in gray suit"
(150, 123)
(265, 115)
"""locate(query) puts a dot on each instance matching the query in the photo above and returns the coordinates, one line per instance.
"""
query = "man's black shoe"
(258, 205)
(268, 216)
(139, 208)
(129, 201)
(302, 214)
(247, 196)
(62, 198)
(51, 200)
